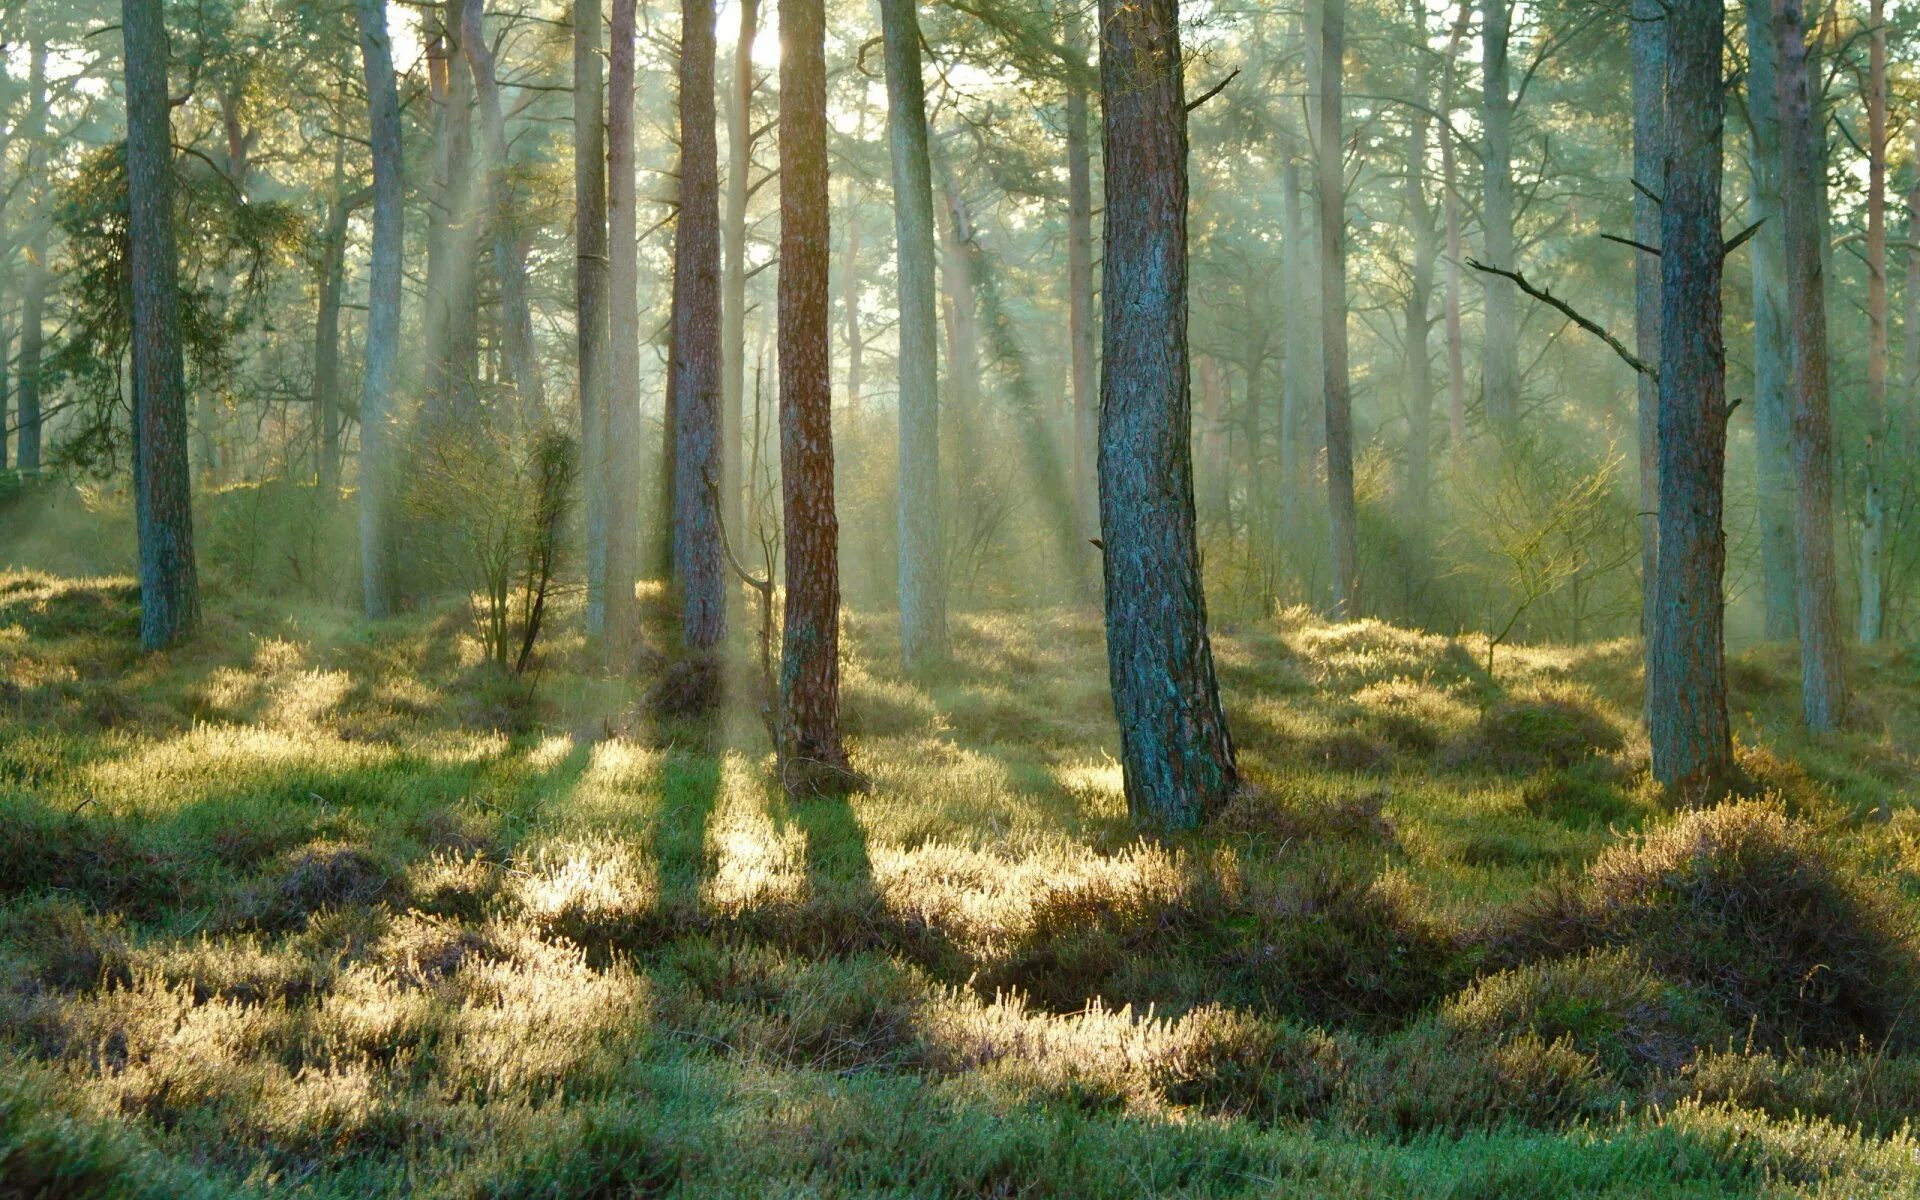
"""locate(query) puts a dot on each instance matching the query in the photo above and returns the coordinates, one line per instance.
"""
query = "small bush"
(1741, 903)
(1549, 730)
(1607, 1004)
(65, 946)
(1577, 799)
(1428, 1079)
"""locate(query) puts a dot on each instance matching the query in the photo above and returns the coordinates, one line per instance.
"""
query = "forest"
(966, 598)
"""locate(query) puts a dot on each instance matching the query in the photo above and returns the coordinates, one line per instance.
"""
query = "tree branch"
(1593, 327)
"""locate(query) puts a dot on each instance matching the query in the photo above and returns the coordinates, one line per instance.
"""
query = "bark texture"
(813, 756)
(923, 601)
(1686, 662)
(1822, 680)
(1344, 523)
(1501, 363)
(163, 501)
(623, 351)
(1767, 251)
(733, 286)
(700, 569)
(1176, 755)
(590, 296)
(1649, 52)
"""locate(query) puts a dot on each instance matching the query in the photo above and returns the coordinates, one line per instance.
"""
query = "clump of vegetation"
(1743, 904)
(1552, 728)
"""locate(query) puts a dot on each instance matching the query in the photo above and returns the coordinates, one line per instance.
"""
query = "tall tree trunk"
(1450, 184)
(1176, 755)
(923, 591)
(623, 354)
(700, 569)
(509, 249)
(850, 291)
(6, 384)
(378, 589)
(1772, 422)
(434, 307)
(1910, 324)
(1419, 297)
(326, 330)
(1822, 682)
(813, 758)
(1649, 51)
(163, 501)
(1300, 342)
(962, 305)
(452, 369)
(1501, 353)
(1873, 531)
(1342, 513)
(1686, 675)
(590, 296)
(33, 296)
(733, 286)
(1080, 330)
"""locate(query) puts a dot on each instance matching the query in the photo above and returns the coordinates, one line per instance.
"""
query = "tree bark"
(1772, 421)
(1176, 755)
(452, 365)
(700, 570)
(163, 501)
(1822, 680)
(1419, 297)
(509, 249)
(733, 306)
(923, 598)
(1686, 675)
(1649, 53)
(1501, 353)
(1080, 328)
(962, 306)
(1450, 184)
(33, 295)
(326, 330)
(590, 297)
(1873, 530)
(1342, 513)
(813, 758)
(623, 352)
(378, 589)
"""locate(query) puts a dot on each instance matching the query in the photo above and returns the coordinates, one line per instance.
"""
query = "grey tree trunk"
(813, 758)
(1822, 679)
(590, 296)
(923, 592)
(452, 368)
(700, 569)
(1501, 362)
(1342, 513)
(733, 284)
(1419, 323)
(509, 249)
(1450, 184)
(33, 295)
(623, 354)
(1873, 530)
(163, 501)
(1176, 755)
(1771, 421)
(378, 591)
(1649, 51)
(326, 329)
(1300, 343)
(1080, 327)
(1686, 664)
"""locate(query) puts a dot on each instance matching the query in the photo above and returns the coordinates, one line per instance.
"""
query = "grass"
(310, 907)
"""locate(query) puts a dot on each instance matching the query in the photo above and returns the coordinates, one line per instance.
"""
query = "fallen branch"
(1591, 326)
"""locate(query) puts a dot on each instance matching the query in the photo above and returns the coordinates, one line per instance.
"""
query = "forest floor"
(311, 907)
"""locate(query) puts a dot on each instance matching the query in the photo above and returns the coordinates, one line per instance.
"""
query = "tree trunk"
(1771, 421)
(33, 296)
(1300, 345)
(1419, 297)
(453, 307)
(923, 598)
(590, 296)
(623, 353)
(1080, 330)
(509, 250)
(383, 314)
(1910, 325)
(326, 331)
(1873, 532)
(163, 501)
(1343, 516)
(1176, 755)
(700, 569)
(1501, 365)
(1649, 52)
(1450, 184)
(1823, 686)
(813, 758)
(850, 288)
(733, 306)
(963, 322)
(1686, 673)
